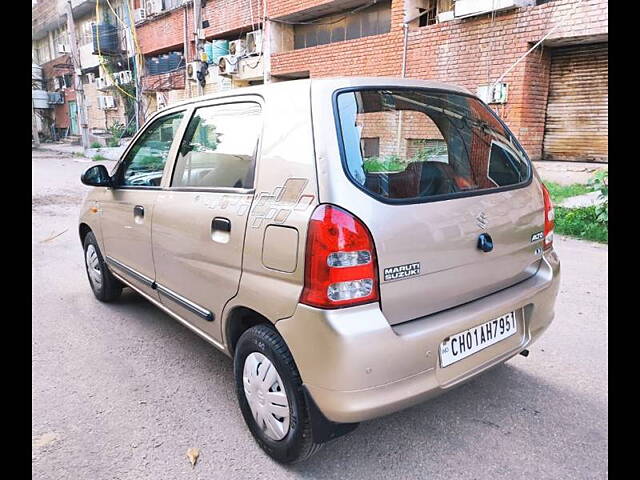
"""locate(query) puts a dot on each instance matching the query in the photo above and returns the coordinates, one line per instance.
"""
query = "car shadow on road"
(505, 409)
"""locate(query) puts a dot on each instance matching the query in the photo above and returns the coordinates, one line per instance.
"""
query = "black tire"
(298, 443)
(111, 287)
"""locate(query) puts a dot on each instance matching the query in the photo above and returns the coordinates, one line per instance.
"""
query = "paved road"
(122, 391)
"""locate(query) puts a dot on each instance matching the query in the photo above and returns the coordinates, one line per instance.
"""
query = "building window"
(374, 20)
(429, 14)
(370, 147)
(430, 9)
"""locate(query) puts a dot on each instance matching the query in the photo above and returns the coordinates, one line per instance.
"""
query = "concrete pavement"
(121, 391)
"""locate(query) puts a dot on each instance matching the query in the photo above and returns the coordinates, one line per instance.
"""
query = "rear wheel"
(271, 397)
(105, 286)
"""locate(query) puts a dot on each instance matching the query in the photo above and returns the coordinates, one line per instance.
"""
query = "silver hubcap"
(265, 394)
(93, 267)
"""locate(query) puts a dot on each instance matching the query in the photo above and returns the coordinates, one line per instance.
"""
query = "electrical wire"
(563, 22)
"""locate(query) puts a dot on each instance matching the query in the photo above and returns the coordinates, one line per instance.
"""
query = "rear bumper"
(357, 367)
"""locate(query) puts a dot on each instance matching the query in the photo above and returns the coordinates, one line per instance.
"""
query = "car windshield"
(415, 144)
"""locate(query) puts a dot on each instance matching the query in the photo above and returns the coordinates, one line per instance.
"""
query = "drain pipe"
(187, 82)
(405, 28)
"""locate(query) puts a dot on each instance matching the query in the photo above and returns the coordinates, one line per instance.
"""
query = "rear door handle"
(221, 224)
(138, 211)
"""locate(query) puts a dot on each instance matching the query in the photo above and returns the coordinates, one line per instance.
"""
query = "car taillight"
(549, 217)
(340, 264)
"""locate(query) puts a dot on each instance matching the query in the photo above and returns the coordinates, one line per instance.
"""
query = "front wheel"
(271, 397)
(105, 286)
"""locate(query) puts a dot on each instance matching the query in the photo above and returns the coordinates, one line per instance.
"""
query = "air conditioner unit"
(56, 98)
(106, 102)
(254, 42)
(62, 48)
(468, 8)
(139, 15)
(497, 94)
(237, 48)
(124, 77)
(151, 7)
(446, 16)
(101, 83)
(228, 65)
(192, 70)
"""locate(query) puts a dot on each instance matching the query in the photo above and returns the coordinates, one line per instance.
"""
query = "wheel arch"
(83, 230)
(239, 320)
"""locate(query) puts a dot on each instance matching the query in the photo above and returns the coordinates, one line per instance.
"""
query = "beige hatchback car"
(356, 245)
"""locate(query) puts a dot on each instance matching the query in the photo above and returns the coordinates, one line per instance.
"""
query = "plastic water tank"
(163, 65)
(175, 59)
(218, 49)
(108, 37)
(153, 66)
(40, 98)
(208, 49)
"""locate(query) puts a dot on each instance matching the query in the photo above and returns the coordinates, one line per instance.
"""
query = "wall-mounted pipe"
(405, 28)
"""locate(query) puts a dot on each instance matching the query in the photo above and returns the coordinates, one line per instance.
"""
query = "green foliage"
(117, 131)
(149, 163)
(582, 223)
(430, 151)
(559, 193)
(600, 183)
(389, 163)
(96, 145)
(97, 158)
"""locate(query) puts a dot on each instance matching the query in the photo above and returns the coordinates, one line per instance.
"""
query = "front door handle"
(138, 211)
(221, 224)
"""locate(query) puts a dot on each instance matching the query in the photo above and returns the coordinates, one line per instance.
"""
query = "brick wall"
(384, 126)
(467, 52)
(165, 32)
(164, 82)
(226, 16)
(226, 19)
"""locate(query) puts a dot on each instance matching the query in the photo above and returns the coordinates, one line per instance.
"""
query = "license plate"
(471, 341)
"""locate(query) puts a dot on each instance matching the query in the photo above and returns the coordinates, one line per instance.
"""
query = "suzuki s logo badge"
(482, 221)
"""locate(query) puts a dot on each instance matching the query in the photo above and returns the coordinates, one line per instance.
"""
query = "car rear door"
(200, 219)
(446, 176)
(126, 209)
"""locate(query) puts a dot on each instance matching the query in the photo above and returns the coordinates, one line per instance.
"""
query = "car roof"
(326, 83)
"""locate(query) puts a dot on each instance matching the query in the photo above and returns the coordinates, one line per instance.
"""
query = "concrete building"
(105, 83)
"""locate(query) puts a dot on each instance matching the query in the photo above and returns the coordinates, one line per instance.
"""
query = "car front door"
(199, 220)
(127, 207)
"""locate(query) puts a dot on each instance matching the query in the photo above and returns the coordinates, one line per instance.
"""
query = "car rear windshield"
(415, 145)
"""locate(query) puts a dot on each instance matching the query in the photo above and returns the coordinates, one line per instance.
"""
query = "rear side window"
(428, 144)
(219, 147)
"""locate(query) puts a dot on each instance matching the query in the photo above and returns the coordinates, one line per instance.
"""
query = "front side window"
(145, 162)
(429, 143)
(219, 147)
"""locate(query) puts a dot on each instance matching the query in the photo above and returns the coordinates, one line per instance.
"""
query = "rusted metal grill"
(576, 127)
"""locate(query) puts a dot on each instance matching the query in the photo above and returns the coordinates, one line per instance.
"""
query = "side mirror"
(96, 176)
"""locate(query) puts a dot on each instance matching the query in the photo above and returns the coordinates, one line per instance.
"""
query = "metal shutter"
(576, 126)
